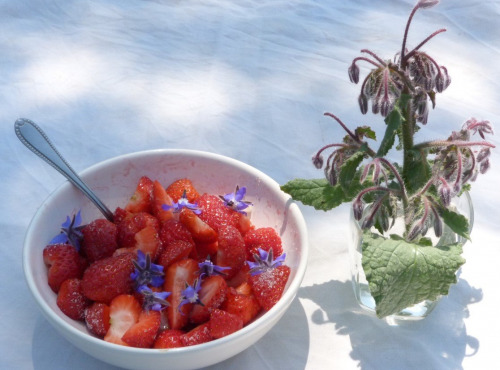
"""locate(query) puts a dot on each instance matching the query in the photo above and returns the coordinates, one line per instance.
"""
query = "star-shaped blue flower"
(264, 261)
(155, 301)
(190, 294)
(180, 204)
(235, 200)
(71, 232)
(146, 272)
(207, 268)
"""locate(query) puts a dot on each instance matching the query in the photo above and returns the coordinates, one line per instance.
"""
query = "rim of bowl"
(273, 314)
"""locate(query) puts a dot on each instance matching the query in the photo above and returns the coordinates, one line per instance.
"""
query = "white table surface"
(248, 79)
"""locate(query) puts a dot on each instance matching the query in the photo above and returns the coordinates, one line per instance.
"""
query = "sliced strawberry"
(64, 262)
(212, 293)
(143, 333)
(269, 285)
(176, 189)
(142, 197)
(177, 276)
(198, 335)
(245, 306)
(200, 231)
(172, 230)
(264, 238)
(240, 277)
(119, 215)
(223, 323)
(170, 338)
(97, 319)
(204, 250)
(174, 251)
(71, 300)
(109, 277)
(131, 225)
(99, 239)
(148, 241)
(124, 312)
(160, 198)
(231, 252)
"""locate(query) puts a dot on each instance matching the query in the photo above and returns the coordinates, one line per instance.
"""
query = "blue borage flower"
(264, 261)
(155, 301)
(190, 294)
(71, 231)
(235, 200)
(180, 204)
(146, 272)
(207, 268)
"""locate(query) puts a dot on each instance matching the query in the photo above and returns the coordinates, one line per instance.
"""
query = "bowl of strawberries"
(204, 254)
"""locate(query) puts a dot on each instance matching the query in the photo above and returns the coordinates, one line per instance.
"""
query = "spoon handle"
(37, 141)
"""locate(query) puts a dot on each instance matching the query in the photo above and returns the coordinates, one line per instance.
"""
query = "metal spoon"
(37, 141)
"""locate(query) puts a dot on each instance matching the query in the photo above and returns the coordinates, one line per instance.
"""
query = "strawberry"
(124, 312)
(243, 305)
(268, 286)
(119, 215)
(240, 277)
(231, 251)
(109, 277)
(223, 323)
(216, 214)
(203, 250)
(71, 300)
(131, 224)
(64, 262)
(148, 241)
(99, 239)
(143, 333)
(169, 338)
(212, 294)
(142, 197)
(200, 231)
(176, 189)
(174, 251)
(172, 230)
(264, 238)
(160, 198)
(177, 276)
(198, 335)
(97, 319)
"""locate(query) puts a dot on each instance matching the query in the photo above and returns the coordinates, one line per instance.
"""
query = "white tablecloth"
(251, 80)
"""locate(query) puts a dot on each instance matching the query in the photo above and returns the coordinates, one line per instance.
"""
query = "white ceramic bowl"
(114, 181)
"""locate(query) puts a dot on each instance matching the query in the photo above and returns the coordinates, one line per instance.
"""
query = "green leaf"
(417, 172)
(318, 193)
(401, 274)
(347, 178)
(365, 131)
(456, 222)
(393, 121)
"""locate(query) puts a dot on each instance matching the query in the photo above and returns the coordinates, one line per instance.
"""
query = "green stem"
(408, 130)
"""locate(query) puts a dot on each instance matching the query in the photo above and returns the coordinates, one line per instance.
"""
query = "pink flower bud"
(353, 72)
(363, 103)
(426, 4)
(317, 161)
(357, 209)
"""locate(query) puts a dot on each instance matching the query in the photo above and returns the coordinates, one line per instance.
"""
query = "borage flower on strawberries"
(183, 202)
(71, 232)
(235, 200)
(155, 301)
(264, 261)
(190, 294)
(146, 272)
(207, 268)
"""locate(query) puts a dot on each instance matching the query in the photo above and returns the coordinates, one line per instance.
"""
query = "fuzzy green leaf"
(393, 121)
(365, 131)
(417, 172)
(401, 274)
(318, 193)
(456, 222)
(347, 173)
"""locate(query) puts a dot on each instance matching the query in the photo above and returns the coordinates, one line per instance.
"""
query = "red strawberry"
(99, 239)
(216, 214)
(177, 276)
(71, 300)
(64, 262)
(231, 252)
(97, 319)
(148, 241)
(204, 250)
(172, 230)
(119, 215)
(143, 333)
(109, 277)
(170, 338)
(269, 285)
(264, 238)
(176, 189)
(240, 277)
(174, 251)
(245, 306)
(212, 293)
(124, 312)
(131, 225)
(160, 198)
(142, 197)
(198, 335)
(200, 231)
(223, 323)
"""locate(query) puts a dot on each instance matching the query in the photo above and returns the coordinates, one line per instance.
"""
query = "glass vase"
(462, 205)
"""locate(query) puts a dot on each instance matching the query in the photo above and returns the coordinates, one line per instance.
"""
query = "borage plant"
(402, 270)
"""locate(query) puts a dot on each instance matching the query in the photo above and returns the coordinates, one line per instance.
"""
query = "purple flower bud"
(415, 230)
(375, 107)
(426, 4)
(317, 161)
(385, 107)
(438, 227)
(331, 175)
(483, 154)
(363, 103)
(444, 192)
(353, 72)
(357, 209)
(485, 165)
(440, 84)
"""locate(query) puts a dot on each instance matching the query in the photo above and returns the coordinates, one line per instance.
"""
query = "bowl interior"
(114, 181)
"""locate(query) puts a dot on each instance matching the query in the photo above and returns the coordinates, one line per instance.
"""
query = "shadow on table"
(440, 341)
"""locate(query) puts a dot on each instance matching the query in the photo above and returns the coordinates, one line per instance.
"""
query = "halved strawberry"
(172, 230)
(97, 319)
(170, 338)
(131, 224)
(124, 312)
(177, 276)
(223, 323)
(204, 250)
(141, 199)
(216, 214)
(198, 335)
(269, 285)
(200, 231)
(240, 277)
(99, 239)
(148, 241)
(160, 198)
(143, 333)
(173, 252)
(176, 189)
(243, 305)
(71, 300)
(109, 277)
(231, 252)
(212, 293)
(264, 238)
(64, 262)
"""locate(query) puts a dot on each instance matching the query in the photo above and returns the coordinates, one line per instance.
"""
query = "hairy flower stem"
(407, 129)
